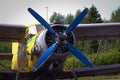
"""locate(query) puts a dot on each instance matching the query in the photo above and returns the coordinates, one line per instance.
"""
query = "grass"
(5, 64)
(108, 77)
(101, 77)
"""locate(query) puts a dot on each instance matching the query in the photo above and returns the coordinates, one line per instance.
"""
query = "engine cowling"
(45, 39)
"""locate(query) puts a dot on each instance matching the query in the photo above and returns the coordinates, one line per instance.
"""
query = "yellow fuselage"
(23, 59)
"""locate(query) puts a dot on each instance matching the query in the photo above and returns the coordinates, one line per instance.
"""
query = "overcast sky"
(15, 11)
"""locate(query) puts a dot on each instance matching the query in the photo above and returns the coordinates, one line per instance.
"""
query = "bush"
(107, 58)
(5, 47)
(73, 62)
(112, 57)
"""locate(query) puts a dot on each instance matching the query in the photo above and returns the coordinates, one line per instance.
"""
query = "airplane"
(40, 51)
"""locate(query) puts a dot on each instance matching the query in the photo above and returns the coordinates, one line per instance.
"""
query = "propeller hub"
(61, 37)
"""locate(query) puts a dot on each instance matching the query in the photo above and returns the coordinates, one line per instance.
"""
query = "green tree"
(115, 17)
(57, 18)
(93, 16)
(77, 12)
(69, 19)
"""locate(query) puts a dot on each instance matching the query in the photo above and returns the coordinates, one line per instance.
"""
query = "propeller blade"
(79, 55)
(43, 58)
(41, 20)
(76, 21)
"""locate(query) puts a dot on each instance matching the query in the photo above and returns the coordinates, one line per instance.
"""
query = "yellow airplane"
(43, 49)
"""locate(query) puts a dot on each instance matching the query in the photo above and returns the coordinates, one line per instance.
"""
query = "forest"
(100, 52)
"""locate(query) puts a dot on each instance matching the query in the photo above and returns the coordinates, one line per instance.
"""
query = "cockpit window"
(32, 30)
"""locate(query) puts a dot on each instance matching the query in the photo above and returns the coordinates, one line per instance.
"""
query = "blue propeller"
(76, 21)
(79, 55)
(44, 57)
(41, 20)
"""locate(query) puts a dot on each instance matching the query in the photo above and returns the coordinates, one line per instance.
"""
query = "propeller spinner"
(60, 38)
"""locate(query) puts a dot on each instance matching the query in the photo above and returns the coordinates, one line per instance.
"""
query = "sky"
(15, 11)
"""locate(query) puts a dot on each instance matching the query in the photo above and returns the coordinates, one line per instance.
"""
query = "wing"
(98, 31)
(83, 72)
(77, 72)
(9, 32)
(7, 75)
(6, 56)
